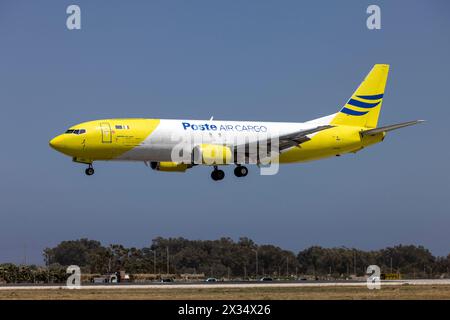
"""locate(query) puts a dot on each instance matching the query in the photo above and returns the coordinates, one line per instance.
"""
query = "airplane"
(151, 141)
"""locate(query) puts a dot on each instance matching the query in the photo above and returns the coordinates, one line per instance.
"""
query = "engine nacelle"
(212, 154)
(168, 166)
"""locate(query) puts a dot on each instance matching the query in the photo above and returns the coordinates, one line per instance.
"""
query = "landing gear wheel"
(240, 171)
(217, 175)
(89, 171)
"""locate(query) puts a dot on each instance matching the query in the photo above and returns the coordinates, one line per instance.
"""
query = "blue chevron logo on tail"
(361, 104)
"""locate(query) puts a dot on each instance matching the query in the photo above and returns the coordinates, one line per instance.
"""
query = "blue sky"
(235, 60)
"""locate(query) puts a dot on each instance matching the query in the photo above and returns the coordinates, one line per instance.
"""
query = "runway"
(225, 285)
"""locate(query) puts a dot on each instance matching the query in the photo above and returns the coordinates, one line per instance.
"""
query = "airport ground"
(292, 291)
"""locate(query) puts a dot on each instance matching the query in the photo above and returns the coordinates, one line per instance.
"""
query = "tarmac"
(219, 284)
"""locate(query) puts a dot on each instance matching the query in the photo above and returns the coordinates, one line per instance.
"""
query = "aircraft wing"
(286, 141)
(390, 127)
(296, 138)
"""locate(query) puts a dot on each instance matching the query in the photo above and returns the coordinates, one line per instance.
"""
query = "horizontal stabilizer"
(390, 128)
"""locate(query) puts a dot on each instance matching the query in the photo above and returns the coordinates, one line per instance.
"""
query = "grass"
(265, 293)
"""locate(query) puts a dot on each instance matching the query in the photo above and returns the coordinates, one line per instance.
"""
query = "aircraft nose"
(57, 142)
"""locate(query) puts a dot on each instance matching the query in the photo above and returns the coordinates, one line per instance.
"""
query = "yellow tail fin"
(363, 108)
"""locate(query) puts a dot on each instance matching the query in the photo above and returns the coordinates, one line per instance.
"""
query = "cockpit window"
(76, 131)
(118, 127)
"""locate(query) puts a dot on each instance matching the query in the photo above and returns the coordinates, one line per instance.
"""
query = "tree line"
(226, 258)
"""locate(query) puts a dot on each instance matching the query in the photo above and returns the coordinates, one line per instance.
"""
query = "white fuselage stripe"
(159, 144)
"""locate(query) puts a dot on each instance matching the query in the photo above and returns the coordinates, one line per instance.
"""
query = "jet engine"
(212, 154)
(168, 166)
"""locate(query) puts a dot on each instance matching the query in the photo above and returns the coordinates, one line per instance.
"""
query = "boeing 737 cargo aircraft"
(153, 141)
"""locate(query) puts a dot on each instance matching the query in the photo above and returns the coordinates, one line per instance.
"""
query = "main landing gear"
(89, 170)
(217, 174)
(239, 171)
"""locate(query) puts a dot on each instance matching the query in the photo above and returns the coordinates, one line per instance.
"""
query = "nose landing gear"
(217, 174)
(90, 170)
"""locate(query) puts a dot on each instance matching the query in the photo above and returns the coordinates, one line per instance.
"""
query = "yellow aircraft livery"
(178, 145)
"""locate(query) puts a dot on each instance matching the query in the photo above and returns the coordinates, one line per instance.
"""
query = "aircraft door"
(106, 132)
